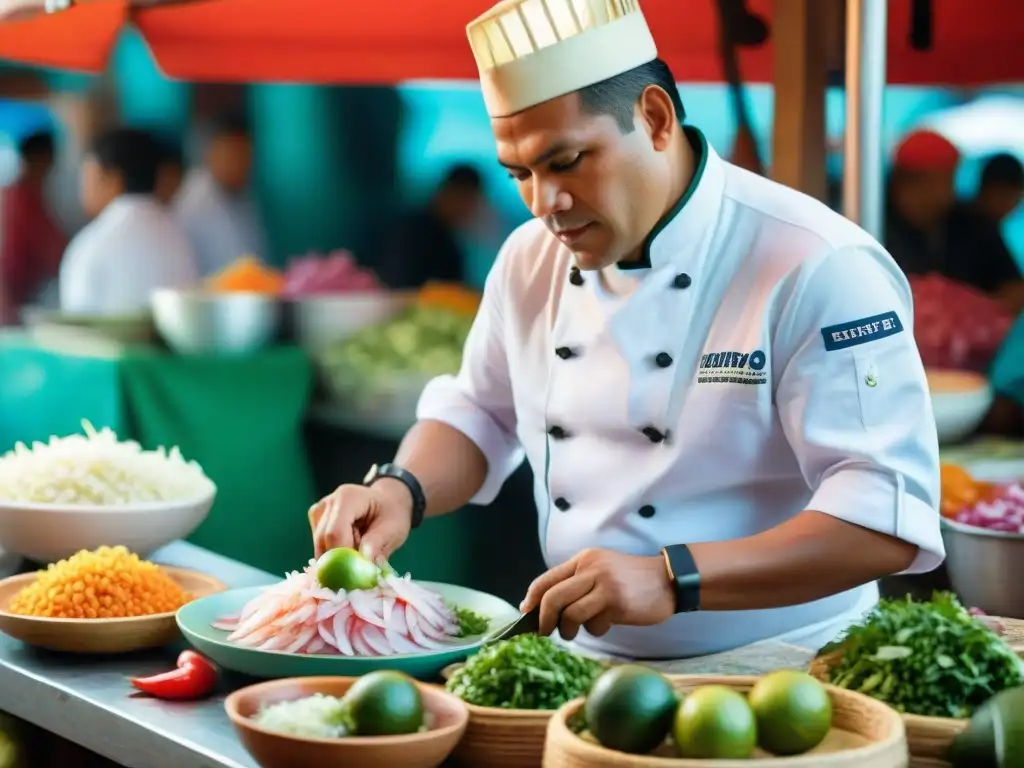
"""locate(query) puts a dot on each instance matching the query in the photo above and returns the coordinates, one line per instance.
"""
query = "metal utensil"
(525, 624)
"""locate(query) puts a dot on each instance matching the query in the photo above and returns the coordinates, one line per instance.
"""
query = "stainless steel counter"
(89, 701)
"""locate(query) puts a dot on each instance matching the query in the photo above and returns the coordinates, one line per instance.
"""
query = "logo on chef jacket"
(861, 331)
(733, 368)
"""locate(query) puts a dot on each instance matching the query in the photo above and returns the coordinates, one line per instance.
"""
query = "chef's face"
(98, 186)
(599, 189)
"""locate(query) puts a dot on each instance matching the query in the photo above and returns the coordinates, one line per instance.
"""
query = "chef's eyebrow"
(555, 149)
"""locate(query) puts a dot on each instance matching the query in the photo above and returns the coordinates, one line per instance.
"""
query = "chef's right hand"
(375, 520)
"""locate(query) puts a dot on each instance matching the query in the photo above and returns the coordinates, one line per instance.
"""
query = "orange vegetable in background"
(960, 489)
(451, 296)
(247, 275)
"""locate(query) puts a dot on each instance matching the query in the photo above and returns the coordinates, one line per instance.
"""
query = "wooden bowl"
(501, 738)
(272, 749)
(865, 734)
(929, 738)
(99, 635)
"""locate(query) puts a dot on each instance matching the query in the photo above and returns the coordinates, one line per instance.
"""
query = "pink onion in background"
(1003, 512)
(337, 272)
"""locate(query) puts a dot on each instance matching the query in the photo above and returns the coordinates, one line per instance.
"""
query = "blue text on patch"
(861, 331)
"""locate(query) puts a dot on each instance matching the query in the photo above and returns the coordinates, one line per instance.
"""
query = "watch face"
(371, 475)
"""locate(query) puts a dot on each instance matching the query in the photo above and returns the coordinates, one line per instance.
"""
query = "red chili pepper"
(194, 678)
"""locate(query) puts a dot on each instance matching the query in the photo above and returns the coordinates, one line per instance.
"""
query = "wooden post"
(801, 43)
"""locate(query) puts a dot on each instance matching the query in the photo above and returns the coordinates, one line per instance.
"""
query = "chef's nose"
(549, 199)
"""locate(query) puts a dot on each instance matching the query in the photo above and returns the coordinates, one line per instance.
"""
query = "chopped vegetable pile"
(526, 672)
(926, 658)
(1002, 511)
(470, 623)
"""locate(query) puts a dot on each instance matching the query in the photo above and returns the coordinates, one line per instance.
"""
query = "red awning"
(330, 41)
(327, 41)
(79, 38)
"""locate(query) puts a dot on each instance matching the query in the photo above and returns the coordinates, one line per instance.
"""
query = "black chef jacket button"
(575, 277)
(565, 352)
(682, 280)
(558, 433)
(663, 360)
(653, 434)
(562, 504)
(646, 511)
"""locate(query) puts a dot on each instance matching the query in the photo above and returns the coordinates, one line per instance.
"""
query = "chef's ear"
(658, 115)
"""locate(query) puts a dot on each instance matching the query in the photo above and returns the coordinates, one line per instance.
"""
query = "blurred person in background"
(134, 245)
(172, 169)
(1001, 188)
(215, 206)
(928, 230)
(31, 242)
(424, 244)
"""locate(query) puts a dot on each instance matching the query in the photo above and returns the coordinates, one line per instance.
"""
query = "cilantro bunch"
(926, 658)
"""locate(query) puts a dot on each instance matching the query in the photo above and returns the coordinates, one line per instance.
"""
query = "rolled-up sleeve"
(478, 401)
(853, 399)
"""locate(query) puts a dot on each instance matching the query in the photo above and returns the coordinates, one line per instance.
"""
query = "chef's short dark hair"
(39, 144)
(1002, 170)
(617, 96)
(134, 154)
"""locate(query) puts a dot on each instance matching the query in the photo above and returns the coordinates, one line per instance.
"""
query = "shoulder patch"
(861, 331)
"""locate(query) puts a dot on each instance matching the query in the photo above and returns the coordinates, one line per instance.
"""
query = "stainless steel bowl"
(986, 568)
(196, 322)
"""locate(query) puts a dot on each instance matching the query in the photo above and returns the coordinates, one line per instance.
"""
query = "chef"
(133, 245)
(713, 377)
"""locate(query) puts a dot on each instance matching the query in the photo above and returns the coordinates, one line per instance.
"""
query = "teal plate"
(195, 620)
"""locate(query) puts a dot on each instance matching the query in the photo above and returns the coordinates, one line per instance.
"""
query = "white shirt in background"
(221, 227)
(134, 247)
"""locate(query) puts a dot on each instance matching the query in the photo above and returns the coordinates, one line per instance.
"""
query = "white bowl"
(47, 533)
(959, 411)
(321, 320)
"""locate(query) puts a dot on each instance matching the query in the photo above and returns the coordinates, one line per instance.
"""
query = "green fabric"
(241, 419)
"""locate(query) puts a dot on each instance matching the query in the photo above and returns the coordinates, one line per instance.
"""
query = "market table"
(88, 701)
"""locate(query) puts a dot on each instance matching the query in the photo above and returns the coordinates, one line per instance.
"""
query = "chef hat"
(531, 51)
(926, 151)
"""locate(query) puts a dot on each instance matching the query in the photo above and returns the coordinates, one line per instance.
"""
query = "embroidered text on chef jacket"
(132, 248)
(765, 364)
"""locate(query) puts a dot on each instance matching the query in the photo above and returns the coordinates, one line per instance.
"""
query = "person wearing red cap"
(928, 230)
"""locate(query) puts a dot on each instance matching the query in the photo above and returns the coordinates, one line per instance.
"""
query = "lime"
(346, 569)
(793, 711)
(715, 722)
(630, 708)
(384, 704)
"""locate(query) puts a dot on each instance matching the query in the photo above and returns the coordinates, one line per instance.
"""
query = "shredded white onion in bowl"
(97, 469)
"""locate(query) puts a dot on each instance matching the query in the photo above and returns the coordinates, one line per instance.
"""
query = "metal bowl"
(197, 322)
(986, 568)
(318, 321)
(958, 412)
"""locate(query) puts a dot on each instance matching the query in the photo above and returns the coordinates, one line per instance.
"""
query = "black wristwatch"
(419, 499)
(682, 571)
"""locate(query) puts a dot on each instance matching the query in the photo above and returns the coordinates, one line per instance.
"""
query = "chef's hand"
(598, 589)
(374, 520)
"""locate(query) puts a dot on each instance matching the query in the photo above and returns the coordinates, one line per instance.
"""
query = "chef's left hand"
(598, 589)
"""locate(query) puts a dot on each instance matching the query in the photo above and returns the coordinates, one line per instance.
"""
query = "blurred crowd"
(154, 222)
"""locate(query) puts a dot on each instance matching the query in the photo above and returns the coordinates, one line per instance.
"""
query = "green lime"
(715, 723)
(630, 708)
(793, 711)
(346, 569)
(384, 703)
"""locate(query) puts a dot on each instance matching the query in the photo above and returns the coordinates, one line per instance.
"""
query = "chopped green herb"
(526, 672)
(925, 658)
(470, 623)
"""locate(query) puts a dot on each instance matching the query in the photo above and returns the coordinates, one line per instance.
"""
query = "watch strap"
(408, 479)
(682, 571)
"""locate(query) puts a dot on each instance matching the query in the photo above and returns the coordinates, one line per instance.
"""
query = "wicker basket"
(854, 713)
(928, 738)
(501, 738)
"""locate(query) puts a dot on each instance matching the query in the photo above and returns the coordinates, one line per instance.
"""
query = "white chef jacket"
(132, 248)
(764, 365)
(221, 227)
